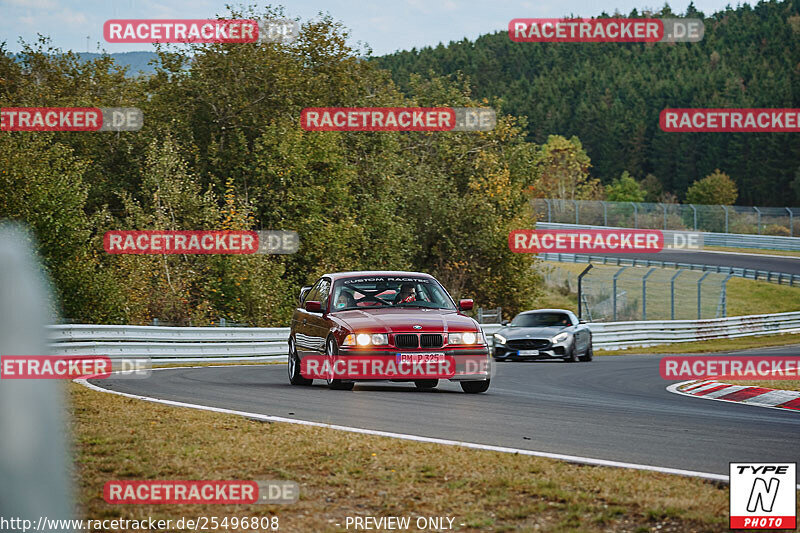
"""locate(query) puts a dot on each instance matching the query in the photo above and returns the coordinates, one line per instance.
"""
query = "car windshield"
(527, 320)
(389, 291)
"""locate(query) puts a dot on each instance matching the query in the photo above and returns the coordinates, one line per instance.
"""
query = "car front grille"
(406, 340)
(528, 344)
(431, 340)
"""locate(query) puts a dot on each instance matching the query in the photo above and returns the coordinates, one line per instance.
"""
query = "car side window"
(323, 292)
(313, 294)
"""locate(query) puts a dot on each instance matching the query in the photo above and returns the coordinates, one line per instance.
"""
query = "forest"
(609, 95)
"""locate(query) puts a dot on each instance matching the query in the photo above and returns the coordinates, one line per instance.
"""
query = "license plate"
(528, 352)
(413, 358)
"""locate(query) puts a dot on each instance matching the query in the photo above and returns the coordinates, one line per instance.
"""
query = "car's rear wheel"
(331, 349)
(295, 377)
(475, 387)
(589, 355)
(426, 383)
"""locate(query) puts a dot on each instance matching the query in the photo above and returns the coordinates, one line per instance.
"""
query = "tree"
(562, 170)
(652, 188)
(795, 185)
(624, 189)
(716, 188)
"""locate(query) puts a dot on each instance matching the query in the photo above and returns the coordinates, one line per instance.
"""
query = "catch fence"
(776, 221)
(619, 293)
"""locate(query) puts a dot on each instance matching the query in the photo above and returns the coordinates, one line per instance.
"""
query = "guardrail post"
(605, 213)
(791, 222)
(725, 208)
(577, 210)
(672, 293)
(635, 215)
(694, 210)
(665, 216)
(699, 284)
(759, 218)
(548, 209)
(644, 292)
(580, 289)
(614, 289)
(725, 295)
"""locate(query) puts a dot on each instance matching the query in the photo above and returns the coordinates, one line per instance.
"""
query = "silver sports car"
(544, 334)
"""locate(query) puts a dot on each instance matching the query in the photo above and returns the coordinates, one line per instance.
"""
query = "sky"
(386, 26)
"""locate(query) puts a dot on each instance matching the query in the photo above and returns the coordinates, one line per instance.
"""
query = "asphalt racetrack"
(613, 408)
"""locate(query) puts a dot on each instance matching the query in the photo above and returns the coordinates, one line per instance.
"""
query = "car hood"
(531, 332)
(431, 320)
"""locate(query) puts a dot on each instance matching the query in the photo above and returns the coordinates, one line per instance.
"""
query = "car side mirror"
(303, 292)
(314, 307)
(504, 323)
(466, 304)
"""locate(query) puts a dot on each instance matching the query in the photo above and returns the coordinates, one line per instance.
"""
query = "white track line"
(418, 438)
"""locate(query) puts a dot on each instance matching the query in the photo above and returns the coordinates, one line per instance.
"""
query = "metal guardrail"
(171, 345)
(781, 278)
(731, 240)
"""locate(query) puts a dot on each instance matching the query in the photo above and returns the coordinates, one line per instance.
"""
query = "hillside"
(609, 95)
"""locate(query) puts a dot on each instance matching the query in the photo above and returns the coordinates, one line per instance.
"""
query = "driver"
(407, 294)
(345, 300)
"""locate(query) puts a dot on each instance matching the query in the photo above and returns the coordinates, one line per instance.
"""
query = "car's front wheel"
(295, 377)
(572, 355)
(331, 349)
(589, 355)
(475, 387)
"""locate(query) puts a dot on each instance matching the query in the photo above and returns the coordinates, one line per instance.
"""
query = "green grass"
(789, 253)
(716, 345)
(345, 474)
(744, 296)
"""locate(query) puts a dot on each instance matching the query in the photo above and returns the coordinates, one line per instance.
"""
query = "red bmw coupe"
(397, 326)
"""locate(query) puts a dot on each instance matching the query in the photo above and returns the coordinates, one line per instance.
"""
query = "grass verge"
(344, 474)
(716, 345)
(782, 384)
(744, 296)
(759, 251)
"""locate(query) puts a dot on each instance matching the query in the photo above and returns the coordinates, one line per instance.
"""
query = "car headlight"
(499, 338)
(365, 339)
(468, 337)
(560, 337)
(379, 339)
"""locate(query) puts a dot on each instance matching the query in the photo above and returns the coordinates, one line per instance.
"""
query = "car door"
(318, 323)
(303, 336)
(581, 334)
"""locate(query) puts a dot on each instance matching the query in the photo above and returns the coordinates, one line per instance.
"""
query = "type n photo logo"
(763, 495)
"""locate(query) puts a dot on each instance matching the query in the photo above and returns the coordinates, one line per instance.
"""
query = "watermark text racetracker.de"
(400, 366)
(729, 367)
(71, 119)
(73, 367)
(209, 31)
(182, 492)
(608, 30)
(398, 119)
(601, 241)
(200, 242)
(746, 120)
